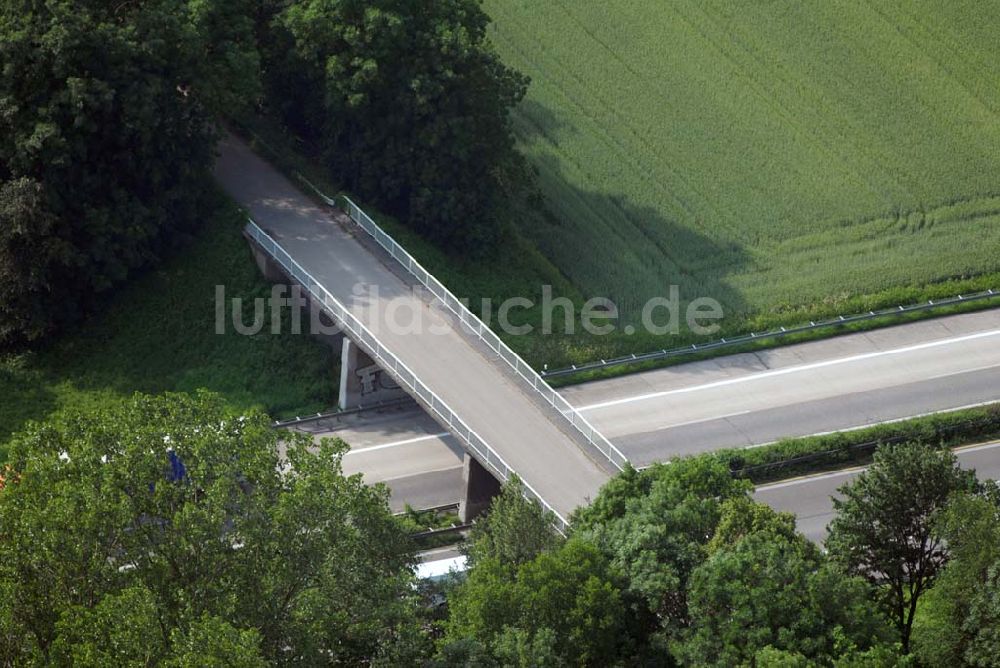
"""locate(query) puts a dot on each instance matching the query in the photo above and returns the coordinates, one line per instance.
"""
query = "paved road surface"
(403, 448)
(810, 497)
(808, 388)
(487, 399)
(830, 385)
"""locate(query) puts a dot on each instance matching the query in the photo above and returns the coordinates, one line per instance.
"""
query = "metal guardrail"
(772, 334)
(476, 326)
(395, 366)
(360, 408)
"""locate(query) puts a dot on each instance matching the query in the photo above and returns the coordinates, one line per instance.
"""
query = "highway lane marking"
(711, 418)
(396, 444)
(791, 370)
(810, 479)
(858, 469)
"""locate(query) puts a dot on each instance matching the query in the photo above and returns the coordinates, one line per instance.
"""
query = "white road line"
(791, 370)
(857, 469)
(397, 443)
(880, 423)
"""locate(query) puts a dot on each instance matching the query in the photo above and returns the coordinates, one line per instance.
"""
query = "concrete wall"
(362, 381)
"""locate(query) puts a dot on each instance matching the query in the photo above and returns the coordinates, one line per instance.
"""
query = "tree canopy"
(408, 104)
(884, 525)
(168, 530)
(106, 136)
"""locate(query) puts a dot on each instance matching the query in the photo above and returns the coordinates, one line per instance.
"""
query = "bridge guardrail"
(391, 363)
(474, 324)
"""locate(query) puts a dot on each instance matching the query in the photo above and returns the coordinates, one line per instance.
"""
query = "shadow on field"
(637, 247)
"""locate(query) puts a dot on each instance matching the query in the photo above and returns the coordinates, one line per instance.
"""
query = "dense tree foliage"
(167, 530)
(655, 527)
(884, 525)
(531, 598)
(958, 619)
(514, 532)
(675, 565)
(408, 104)
(105, 140)
(774, 589)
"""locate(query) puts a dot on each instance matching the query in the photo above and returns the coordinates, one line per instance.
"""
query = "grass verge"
(814, 454)
(158, 334)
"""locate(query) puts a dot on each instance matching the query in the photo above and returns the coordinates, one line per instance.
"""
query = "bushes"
(796, 456)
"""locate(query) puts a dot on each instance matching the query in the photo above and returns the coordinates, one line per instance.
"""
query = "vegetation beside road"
(106, 144)
(159, 334)
(811, 454)
(678, 565)
(119, 522)
(172, 531)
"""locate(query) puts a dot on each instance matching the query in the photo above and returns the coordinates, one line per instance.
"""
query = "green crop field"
(783, 157)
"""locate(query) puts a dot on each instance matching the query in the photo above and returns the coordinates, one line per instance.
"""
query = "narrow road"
(489, 400)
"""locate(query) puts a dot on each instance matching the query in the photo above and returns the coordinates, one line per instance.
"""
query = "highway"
(830, 385)
(749, 399)
(477, 388)
(403, 448)
(810, 497)
(746, 400)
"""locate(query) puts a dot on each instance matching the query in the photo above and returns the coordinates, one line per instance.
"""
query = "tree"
(655, 527)
(771, 590)
(982, 625)
(563, 604)
(514, 531)
(106, 140)
(944, 630)
(741, 516)
(409, 104)
(164, 529)
(883, 530)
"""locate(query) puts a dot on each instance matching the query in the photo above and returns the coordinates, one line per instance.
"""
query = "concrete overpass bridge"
(505, 415)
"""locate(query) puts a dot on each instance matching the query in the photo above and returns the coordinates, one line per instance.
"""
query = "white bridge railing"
(475, 325)
(395, 366)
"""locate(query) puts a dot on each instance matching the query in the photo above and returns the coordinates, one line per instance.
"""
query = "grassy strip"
(419, 522)
(813, 454)
(158, 334)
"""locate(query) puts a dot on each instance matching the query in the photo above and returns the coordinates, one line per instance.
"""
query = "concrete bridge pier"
(478, 489)
(362, 381)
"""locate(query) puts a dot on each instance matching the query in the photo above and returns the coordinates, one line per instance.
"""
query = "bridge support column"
(362, 381)
(478, 489)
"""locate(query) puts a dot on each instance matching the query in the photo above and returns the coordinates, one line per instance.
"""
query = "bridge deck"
(487, 399)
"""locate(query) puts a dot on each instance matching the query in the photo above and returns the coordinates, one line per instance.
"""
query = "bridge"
(505, 416)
